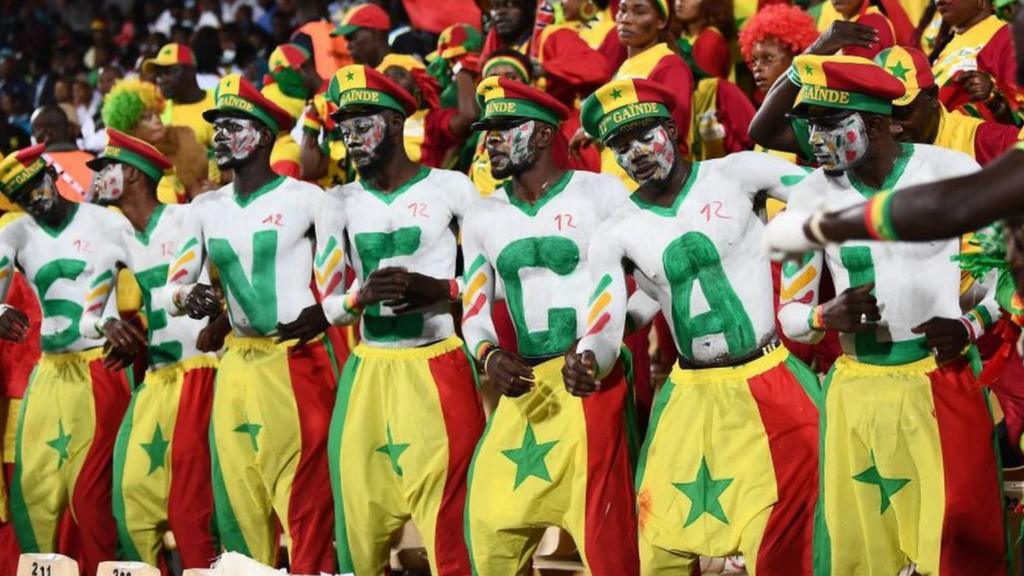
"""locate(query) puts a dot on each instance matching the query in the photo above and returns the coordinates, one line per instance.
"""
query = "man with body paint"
(547, 458)
(906, 432)
(74, 403)
(408, 414)
(276, 381)
(730, 461)
(162, 455)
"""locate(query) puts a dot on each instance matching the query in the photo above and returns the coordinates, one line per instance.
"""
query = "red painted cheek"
(851, 136)
(851, 155)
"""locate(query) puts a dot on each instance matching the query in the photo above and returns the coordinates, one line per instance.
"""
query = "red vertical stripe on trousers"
(91, 500)
(190, 496)
(9, 550)
(790, 421)
(310, 510)
(610, 529)
(972, 528)
(464, 423)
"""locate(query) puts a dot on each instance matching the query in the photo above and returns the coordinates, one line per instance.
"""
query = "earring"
(588, 11)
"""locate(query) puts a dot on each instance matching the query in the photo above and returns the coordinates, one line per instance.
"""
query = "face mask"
(108, 185)
(513, 153)
(366, 139)
(234, 139)
(648, 157)
(840, 147)
(227, 57)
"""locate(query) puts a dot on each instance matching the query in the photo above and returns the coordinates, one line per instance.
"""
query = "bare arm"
(943, 209)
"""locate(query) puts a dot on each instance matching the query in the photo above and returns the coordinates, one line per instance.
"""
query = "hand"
(401, 290)
(508, 373)
(579, 141)
(978, 85)
(114, 360)
(124, 337)
(211, 338)
(383, 284)
(310, 324)
(855, 310)
(468, 62)
(578, 373)
(786, 236)
(13, 324)
(946, 336)
(202, 302)
(842, 34)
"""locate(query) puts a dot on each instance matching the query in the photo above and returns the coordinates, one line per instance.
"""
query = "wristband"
(816, 319)
(878, 217)
(794, 76)
(487, 356)
(351, 302)
(814, 225)
(178, 298)
(454, 291)
(976, 321)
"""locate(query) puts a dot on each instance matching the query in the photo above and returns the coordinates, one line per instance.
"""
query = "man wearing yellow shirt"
(920, 116)
(175, 69)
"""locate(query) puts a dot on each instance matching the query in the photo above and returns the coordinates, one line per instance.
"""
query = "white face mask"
(234, 139)
(648, 157)
(107, 185)
(842, 146)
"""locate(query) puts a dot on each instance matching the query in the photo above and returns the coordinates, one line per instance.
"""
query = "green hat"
(236, 94)
(130, 150)
(357, 85)
(501, 98)
(845, 83)
(621, 102)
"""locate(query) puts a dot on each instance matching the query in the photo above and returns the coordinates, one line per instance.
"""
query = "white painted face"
(234, 139)
(648, 156)
(363, 136)
(509, 149)
(107, 185)
(840, 145)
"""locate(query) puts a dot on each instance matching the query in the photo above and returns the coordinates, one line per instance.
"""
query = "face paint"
(40, 200)
(842, 146)
(363, 137)
(510, 150)
(648, 157)
(108, 185)
(234, 140)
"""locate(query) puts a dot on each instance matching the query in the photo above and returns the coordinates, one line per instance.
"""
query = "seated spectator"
(291, 83)
(135, 107)
(863, 12)
(974, 62)
(185, 101)
(50, 126)
(432, 132)
(708, 28)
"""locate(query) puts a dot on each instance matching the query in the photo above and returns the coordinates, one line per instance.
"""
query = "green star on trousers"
(60, 444)
(253, 430)
(529, 457)
(393, 451)
(156, 449)
(887, 486)
(704, 493)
